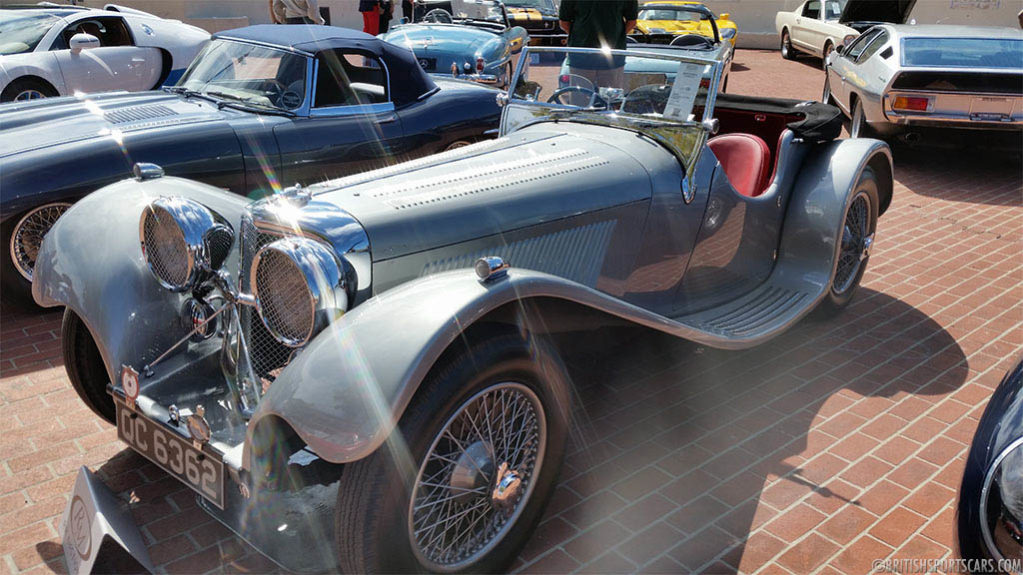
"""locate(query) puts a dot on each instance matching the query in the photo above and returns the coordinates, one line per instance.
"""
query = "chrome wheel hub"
(857, 242)
(477, 477)
(27, 236)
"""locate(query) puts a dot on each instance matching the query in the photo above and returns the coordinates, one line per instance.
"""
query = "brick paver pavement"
(839, 443)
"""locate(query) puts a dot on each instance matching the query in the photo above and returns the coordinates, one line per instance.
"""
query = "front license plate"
(428, 63)
(198, 470)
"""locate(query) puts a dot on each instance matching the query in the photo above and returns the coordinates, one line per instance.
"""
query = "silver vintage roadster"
(362, 375)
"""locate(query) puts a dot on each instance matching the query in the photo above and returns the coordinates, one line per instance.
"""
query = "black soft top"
(408, 80)
(820, 122)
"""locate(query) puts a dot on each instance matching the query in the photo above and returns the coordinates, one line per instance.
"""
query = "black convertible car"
(260, 108)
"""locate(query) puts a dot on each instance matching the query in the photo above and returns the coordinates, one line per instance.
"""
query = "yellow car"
(662, 21)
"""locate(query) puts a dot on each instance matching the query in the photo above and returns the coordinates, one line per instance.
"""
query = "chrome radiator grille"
(266, 354)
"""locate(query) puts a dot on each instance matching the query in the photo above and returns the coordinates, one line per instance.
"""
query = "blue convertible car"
(260, 108)
(478, 45)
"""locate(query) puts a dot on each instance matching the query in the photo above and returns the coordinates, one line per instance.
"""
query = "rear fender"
(91, 262)
(813, 224)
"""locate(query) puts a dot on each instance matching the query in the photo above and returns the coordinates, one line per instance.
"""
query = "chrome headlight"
(1001, 509)
(300, 287)
(180, 238)
(727, 33)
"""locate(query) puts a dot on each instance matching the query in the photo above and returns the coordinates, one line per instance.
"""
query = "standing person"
(598, 24)
(408, 10)
(370, 16)
(386, 13)
(295, 12)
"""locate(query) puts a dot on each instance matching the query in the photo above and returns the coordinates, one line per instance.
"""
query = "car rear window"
(962, 52)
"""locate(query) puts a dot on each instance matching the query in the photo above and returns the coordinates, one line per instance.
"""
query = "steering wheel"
(592, 95)
(649, 99)
(694, 41)
(283, 96)
(439, 16)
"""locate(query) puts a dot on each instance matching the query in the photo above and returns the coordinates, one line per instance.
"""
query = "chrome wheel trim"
(857, 241)
(460, 510)
(855, 126)
(826, 97)
(786, 45)
(27, 236)
(457, 144)
(26, 95)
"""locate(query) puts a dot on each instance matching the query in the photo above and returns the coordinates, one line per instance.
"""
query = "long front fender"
(91, 262)
(344, 393)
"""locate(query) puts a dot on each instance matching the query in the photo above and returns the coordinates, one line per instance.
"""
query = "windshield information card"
(683, 92)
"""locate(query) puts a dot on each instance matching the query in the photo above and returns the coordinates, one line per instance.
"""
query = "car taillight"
(911, 103)
(480, 64)
(705, 83)
(564, 78)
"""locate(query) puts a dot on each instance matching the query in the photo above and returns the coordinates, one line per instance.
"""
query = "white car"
(817, 26)
(59, 51)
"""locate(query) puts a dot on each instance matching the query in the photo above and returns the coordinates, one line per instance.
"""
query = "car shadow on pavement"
(968, 168)
(680, 452)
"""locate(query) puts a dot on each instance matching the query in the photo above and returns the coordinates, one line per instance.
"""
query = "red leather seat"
(745, 159)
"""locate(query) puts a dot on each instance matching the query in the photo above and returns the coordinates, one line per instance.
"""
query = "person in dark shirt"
(386, 13)
(598, 24)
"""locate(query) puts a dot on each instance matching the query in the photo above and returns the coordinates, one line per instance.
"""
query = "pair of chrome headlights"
(299, 285)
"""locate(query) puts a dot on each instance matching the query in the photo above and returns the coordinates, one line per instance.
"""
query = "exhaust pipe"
(912, 138)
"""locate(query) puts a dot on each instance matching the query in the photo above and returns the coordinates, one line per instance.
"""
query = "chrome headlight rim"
(985, 494)
(325, 283)
(197, 226)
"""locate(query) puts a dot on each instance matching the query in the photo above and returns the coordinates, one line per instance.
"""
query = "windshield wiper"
(186, 92)
(247, 105)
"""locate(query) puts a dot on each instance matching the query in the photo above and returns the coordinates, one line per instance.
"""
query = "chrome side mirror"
(711, 126)
(82, 41)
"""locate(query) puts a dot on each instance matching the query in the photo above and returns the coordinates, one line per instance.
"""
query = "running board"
(765, 311)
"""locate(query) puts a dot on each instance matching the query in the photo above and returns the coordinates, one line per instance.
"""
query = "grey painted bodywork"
(871, 80)
(592, 214)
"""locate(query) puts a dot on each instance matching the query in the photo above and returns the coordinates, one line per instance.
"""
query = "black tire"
(23, 86)
(84, 366)
(844, 282)
(372, 518)
(824, 55)
(858, 126)
(787, 51)
(15, 290)
(15, 287)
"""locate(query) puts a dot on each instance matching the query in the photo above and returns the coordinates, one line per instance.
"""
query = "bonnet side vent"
(138, 114)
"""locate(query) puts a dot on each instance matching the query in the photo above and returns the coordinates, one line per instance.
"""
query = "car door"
(807, 26)
(117, 64)
(351, 126)
(847, 69)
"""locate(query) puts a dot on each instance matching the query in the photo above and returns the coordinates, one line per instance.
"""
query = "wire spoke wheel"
(29, 95)
(477, 476)
(27, 236)
(856, 243)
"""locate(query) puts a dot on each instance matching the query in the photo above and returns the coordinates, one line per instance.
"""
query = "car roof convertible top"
(820, 123)
(408, 80)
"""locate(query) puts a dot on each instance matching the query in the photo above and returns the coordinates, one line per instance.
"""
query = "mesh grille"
(266, 354)
(284, 299)
(165, 247)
